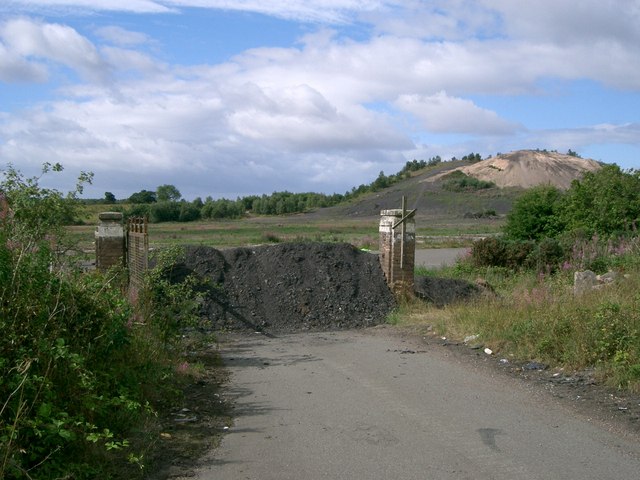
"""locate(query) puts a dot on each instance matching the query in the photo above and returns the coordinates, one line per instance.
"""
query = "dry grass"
(539, 318)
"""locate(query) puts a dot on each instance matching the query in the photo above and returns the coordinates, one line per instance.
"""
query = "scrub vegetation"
(535, 313)
(82, 370)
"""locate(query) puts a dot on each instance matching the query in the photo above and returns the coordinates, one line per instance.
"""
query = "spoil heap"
(290, 287)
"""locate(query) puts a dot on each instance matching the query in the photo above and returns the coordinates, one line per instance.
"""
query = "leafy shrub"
(188, 212)
(534, 215)
(164, 212)
(489, 252)
(548, 254)
(518, 254)
(79, 368)
(605, 202)
(457, 181)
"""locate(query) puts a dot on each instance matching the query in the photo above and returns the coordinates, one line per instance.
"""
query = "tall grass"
(536, 316)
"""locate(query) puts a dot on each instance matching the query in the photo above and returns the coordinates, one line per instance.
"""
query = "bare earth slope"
(528, 168)
(511, 172)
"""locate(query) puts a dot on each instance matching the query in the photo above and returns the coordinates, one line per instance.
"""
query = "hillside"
(511, 172)
(528, 168)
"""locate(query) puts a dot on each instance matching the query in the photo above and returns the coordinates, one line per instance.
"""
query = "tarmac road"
(434, 258)
(374, 405)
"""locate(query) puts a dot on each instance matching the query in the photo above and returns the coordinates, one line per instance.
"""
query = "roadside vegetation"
(82, 370)
(535, 314)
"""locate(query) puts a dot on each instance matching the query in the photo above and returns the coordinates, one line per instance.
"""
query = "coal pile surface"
(289, 287)
(444, 291)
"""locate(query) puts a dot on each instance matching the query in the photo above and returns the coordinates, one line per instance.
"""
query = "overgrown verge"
(537, 317)
(82, 372)
(536, 314)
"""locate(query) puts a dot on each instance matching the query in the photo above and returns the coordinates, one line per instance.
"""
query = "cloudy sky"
(237, 97)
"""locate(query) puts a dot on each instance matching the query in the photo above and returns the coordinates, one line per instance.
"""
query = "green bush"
(164, 212)
(535, 215)
(605, 202)
(547, 255)
(489, 252)
(458, 181)
(518, 254)
(79, 367)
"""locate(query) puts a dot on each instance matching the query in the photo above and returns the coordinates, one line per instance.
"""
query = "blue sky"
(231, 98)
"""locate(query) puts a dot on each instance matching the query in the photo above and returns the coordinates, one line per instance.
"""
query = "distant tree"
(109, 198)
(472, 158)
(189, 212)
(143, 196)
(197, 202)
(571, 153)
(164, 212)
(168, 193)
(381, 182)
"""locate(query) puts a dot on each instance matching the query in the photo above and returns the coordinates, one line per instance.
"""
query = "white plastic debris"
(470, 338)
(488, 351)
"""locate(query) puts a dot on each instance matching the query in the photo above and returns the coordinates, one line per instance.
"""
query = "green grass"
(537, 317)
(361, 232)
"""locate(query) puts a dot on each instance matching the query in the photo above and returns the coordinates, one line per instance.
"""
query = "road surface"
(433, 258)
(374, 405)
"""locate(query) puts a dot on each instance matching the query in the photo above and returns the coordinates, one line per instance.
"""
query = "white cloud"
(122, 37)
(331, 11)
(577, 138)
(444, 114)
(569, 22)
(28, 39)
(16, 69)
(327, 113)
(73, 6)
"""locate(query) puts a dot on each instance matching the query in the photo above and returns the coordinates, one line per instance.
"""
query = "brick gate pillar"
(110, 241)
(397, 250)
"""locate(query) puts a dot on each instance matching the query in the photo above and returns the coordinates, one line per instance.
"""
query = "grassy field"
(319, 226)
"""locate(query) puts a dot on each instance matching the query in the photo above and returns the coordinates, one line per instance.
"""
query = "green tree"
(535, 215)
(603, 202)
(143, 196)
(109, 198)
(37, 211)
(164, 212)
(168, 193)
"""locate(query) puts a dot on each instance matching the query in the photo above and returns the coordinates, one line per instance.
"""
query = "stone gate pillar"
(397, 249)
(110, 241)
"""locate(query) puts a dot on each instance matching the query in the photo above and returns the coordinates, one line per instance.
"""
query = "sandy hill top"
(528, 168)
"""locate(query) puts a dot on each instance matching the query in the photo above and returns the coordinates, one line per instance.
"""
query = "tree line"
(166, 204)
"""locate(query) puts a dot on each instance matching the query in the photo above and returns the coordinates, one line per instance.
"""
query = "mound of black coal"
(444, 291)
(290, 287)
